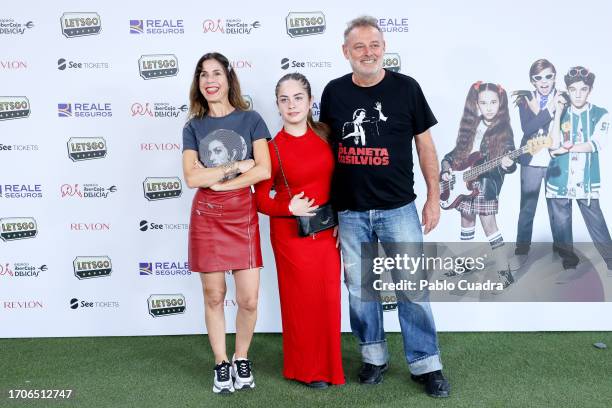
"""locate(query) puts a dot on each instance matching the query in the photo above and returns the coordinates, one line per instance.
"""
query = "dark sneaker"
(242, 373)
(317, 384)
(223, 381)
(505, 278)
(435, 383)
(372, 374)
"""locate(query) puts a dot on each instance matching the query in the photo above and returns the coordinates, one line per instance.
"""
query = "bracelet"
(230, 169)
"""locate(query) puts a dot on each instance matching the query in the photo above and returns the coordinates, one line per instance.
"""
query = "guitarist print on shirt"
(358, 131)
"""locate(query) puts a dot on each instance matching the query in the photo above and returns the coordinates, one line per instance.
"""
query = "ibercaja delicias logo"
(86, 148)
(14, 228)
(161, 188)
(14, 107)
(300, 24)
(87, 267)
(80, 24)
(158, 66)
(166, 305)
(392, 62)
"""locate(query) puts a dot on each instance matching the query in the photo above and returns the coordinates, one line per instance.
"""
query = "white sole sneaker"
(239, 382)
(223, 390)
(222, 379)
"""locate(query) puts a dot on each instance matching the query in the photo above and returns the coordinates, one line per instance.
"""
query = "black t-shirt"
(372, 130)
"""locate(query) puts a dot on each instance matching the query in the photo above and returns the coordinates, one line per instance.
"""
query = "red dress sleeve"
(277, 206)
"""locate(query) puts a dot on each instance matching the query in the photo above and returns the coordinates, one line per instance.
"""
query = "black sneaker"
(317, 385)
(223, 380)
(372, 374)
(242, 373)
(505, 278)
(435, 383)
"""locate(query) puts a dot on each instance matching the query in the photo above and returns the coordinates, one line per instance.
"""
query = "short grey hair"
(361, 21)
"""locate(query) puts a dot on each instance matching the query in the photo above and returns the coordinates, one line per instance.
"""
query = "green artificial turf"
(485, 370)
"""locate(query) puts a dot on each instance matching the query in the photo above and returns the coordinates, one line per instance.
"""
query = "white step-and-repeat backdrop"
(93, 98)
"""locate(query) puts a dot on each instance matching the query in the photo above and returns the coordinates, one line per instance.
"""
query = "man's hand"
(431, 216)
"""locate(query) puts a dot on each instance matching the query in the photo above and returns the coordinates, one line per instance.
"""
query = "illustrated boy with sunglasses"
(536, 110)
(579, 133)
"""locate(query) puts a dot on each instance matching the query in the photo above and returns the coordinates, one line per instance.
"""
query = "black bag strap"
(280, 163)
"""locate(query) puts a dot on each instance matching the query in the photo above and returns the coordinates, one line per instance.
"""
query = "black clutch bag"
(325, 217)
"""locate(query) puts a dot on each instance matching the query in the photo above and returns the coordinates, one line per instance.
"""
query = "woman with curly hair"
(484, 129)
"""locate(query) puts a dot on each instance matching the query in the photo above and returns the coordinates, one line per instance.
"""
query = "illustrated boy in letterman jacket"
(579, 134)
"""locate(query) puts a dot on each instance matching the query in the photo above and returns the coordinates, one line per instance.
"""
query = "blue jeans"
(596, 225)
(531, 181)
(416, 320)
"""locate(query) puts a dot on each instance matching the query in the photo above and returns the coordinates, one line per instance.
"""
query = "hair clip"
(477, 84)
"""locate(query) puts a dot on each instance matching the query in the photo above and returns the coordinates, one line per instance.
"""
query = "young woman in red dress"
(308, 268)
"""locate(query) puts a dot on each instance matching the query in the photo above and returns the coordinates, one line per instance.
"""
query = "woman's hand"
(245, 165)
(337, 236)
(301, 206)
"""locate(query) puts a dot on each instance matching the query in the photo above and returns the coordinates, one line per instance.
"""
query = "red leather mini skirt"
(224, 231)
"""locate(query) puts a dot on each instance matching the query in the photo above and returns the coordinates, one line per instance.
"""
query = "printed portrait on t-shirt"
(363, 126)
(222, 146)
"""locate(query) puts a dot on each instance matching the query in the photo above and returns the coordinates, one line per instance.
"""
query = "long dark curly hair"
(498, 134)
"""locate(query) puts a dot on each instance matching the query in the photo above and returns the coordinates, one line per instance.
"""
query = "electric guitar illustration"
(460, 186)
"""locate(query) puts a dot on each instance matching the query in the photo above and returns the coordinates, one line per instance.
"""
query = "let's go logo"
(166, 305)
(86, 148)
(392, 62)
(302, 24)
(161, 188)
(14, 228)
(86, 267)
(14, 107)
(80, 24)
(158, 66)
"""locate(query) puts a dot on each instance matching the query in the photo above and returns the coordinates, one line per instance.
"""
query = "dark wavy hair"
(198, 106)
(320, 128)
(495, 137)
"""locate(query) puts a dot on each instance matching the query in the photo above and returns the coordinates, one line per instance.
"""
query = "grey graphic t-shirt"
(225, 139)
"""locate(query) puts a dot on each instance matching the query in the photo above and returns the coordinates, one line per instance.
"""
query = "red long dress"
(308, 268)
